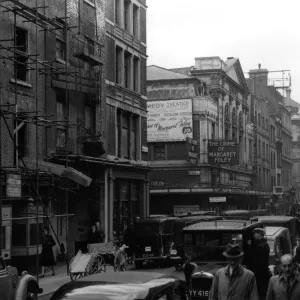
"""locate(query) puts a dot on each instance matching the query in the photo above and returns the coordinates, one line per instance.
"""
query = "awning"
(58, 170)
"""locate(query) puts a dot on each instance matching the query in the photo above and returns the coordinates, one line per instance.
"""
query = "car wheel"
(138, 264)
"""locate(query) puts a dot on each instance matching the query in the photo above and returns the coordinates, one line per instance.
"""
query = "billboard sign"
(169, 120)
(223, 152)
(217, 199)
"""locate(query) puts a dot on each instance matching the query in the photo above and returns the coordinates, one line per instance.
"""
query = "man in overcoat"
(286, 285)
(234, 282)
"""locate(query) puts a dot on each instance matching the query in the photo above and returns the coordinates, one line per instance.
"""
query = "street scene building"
(73, 122)
(228, 151)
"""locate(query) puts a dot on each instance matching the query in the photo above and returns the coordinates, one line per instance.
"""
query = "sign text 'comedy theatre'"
(223, 152)
(169, 120)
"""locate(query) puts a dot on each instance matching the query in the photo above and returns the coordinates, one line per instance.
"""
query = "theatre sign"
(223, 152)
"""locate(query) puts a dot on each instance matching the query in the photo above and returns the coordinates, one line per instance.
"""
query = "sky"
(264, 31)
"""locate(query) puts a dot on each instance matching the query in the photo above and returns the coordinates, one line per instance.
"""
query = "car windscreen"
(209, 245)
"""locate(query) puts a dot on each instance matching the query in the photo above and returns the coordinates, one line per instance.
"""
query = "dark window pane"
(33, 234)
(19, 235)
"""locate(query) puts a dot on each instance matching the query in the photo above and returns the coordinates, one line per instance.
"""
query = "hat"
(233, 251)
(259, 230)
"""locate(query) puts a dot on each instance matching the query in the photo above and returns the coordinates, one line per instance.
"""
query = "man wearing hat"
(234, 282)
(260, 261)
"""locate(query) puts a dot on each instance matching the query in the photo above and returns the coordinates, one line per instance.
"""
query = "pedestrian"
(297, 251)
(47, 257)
(234, 282)
(286, 285)
(260, 262)
(100, 231)
(94, 235)
(188, 269)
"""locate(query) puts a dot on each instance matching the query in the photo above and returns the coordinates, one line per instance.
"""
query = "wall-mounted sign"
(217, 199)
(179, 209)
(192, 151)
(169, 120)
(194, 173)
(278, 190)
(145, 149)
(157, 183)
(223, 152)
(13, 185)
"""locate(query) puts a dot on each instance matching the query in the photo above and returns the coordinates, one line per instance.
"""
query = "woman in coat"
(47, 257)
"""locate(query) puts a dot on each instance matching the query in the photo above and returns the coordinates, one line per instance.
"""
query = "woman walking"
(47, 257)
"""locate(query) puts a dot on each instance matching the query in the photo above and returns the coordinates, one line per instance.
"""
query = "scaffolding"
(12, 52)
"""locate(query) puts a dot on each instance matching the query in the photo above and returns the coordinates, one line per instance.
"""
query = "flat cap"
(259, 230)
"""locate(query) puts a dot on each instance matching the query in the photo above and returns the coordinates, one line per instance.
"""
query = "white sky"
(257, 31)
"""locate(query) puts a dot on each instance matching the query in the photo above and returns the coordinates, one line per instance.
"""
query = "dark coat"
(47, 257)
(260, 266)
(297, 255)
(95, 237)
(101, 234)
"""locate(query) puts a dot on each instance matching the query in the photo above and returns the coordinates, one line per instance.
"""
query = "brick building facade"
(52, 93)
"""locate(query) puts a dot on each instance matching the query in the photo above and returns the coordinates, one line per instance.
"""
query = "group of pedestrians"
(248, 277)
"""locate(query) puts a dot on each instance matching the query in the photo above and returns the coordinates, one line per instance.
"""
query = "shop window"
(21, 68)
(19, 235)
(159, 151)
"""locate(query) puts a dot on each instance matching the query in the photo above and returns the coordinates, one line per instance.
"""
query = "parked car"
(279, 241)
(289, 222)
(124, 285)
(204, 244)
(154, 239)
(12, 286)
(238, 214)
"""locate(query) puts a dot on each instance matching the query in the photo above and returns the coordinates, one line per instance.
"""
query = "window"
(263, 151)
(259, 119)
(263, 122)
(267, 124)
(267, 152)
(117, 12)
(60, 111)
(21, 134)
(127, 7)
(133, 138)
(61, 42)
(119, 65)
(20, 66)
(127, 69)
(136, 74)
(279, 158)
(159, 152)
(259, 149)
(89, 45)
(135, 20)
(60, 138)
(278, 179)
(213, 130)
(125, 136)
(89, 118)
(250, 151)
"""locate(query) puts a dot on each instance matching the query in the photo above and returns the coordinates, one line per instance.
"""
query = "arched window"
(227, 112)
(234, 116)
(241, 121)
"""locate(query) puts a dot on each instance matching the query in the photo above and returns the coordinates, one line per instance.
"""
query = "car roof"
(275, 218)
(155, 220)
(114, 285)
(236, 211)
(272, 230)
(200, 218)
(223, 225)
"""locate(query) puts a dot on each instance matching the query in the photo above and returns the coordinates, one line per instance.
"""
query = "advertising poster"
(223, 152)
(169, 120)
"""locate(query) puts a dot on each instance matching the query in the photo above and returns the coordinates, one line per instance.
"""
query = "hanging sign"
(223, 152)
(13, 185)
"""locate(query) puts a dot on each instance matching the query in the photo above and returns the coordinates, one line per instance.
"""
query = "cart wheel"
(98, 265)
(121, 261)
(76, 276)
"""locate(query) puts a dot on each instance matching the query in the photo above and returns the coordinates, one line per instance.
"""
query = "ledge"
(22, 83)
(89, 3)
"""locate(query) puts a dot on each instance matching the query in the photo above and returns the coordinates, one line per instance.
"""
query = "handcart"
(84, 264)
(112, 254)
